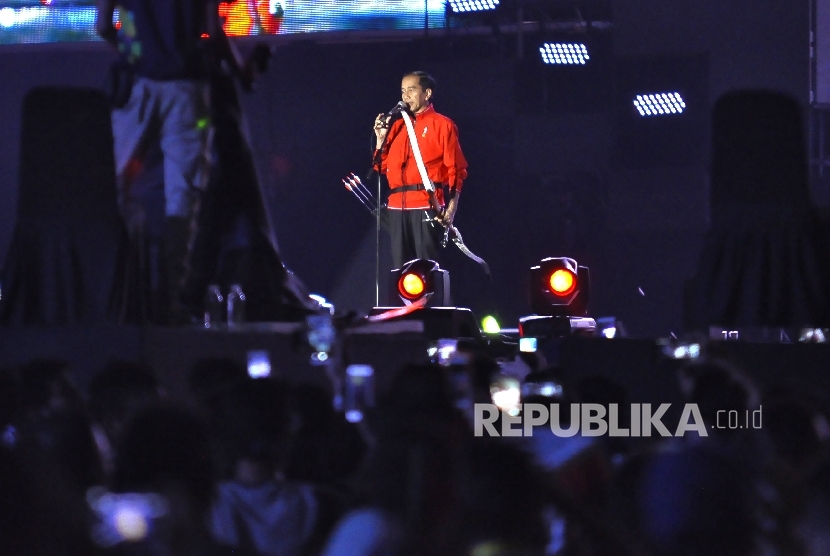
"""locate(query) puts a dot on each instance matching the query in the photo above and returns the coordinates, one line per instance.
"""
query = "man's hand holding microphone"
(382, 123)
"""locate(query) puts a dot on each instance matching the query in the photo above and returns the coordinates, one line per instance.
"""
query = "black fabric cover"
(765, 258)
(65, 262)
(234, 242)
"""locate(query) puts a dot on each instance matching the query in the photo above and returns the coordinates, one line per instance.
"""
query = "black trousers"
(414, 235)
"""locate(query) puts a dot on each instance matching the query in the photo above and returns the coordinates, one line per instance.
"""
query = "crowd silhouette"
(264, 467)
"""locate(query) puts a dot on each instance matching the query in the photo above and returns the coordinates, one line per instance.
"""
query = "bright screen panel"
(38, 21)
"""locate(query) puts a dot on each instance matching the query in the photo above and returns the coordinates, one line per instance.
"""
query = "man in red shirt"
(414, 226)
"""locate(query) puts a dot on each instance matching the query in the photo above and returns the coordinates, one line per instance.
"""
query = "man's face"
(413, 95)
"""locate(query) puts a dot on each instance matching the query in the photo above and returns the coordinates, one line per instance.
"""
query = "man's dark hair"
(425, 80)
(120, 389)
(255, 421)
(166, 446)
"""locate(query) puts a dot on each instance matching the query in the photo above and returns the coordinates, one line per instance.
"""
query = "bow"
(451, 233)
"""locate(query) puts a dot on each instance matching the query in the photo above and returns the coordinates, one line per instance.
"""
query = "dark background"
(558, 164)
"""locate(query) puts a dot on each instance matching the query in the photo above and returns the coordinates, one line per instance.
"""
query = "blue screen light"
(564, 53)
(462, 6)
(659, 104)
(42, 21)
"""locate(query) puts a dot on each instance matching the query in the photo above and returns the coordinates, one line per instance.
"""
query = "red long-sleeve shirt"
(445, 163)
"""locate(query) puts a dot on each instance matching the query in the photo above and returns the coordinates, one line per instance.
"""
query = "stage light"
(562, 282)
(659, 104)
(564, 53)
(466, 6)
(417, 279)
(559, 287)
(559, 292)
(490, 325)
(432, 306)
(411, 285)
(662, 111)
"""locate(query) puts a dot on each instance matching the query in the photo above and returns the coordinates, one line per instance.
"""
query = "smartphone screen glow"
(360, 391)
(527, 345)
(259, 364)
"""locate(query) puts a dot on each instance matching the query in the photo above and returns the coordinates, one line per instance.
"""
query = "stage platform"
(637, 364)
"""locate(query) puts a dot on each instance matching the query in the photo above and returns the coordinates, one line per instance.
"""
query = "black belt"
(415, 187)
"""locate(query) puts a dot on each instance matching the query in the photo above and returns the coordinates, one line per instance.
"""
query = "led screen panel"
(37, 21)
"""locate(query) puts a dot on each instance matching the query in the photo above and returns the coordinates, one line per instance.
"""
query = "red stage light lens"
(411, 285)
(562, 282)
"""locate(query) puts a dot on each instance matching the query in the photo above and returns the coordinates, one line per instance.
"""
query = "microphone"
(398, 107)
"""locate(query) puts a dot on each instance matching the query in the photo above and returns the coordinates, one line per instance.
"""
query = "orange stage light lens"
(411, 285)
(562, 282)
